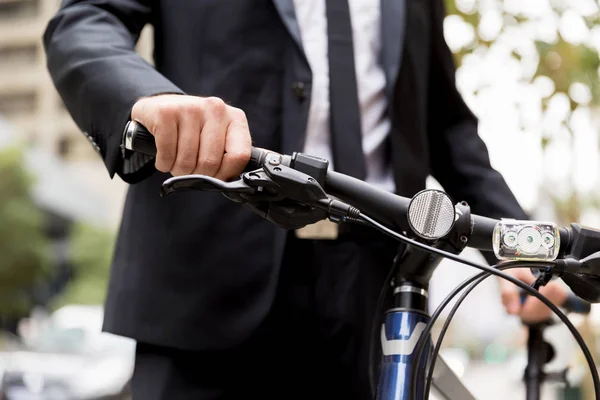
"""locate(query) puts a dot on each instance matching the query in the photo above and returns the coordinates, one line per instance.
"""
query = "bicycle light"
(431, 214)
(526, 240)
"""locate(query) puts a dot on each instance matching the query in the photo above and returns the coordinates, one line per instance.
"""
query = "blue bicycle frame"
(402, 327)
(399, 336)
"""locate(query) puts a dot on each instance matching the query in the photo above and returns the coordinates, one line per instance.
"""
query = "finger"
(161, 123)
(138, 111)
(522, 274)
(212, 137)
(165, 137)
(555, 292)
(188, 140)
(534, 310)
(511, 298)
(238, 146)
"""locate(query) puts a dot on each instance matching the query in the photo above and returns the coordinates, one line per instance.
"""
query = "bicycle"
(292, 191)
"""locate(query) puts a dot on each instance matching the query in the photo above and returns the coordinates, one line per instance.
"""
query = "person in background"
(221, 303)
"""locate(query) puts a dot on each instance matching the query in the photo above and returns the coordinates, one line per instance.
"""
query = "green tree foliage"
(90, 255)
(24, 252)
(561, 58)
(564, 62)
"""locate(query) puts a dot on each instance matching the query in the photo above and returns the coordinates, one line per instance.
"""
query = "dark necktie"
(344, 114)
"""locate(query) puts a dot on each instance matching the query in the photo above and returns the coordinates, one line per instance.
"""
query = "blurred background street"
(529, 69)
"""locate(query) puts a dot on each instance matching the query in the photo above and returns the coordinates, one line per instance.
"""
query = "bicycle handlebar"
(380, 204)
(579, 252)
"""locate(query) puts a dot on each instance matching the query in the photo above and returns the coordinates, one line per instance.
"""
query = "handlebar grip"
(139, 139)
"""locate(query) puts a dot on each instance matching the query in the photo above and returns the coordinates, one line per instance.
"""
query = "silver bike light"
(431, 214)
(526, 240)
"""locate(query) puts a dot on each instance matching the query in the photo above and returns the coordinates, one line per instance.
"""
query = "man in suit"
(222, 303)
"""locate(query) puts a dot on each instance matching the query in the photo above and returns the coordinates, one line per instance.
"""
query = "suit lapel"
(393, 34)
(287, 12)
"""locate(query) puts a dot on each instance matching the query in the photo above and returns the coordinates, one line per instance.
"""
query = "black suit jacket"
(194, 270)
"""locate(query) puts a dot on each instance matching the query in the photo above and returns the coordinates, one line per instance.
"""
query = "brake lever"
(287, 215)
(265, 188)
(288, 198)
(295, 185)
(204, 183)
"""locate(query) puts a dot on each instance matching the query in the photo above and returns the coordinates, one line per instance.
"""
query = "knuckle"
(238, 114)
(185, 164)
(505, 298)
(240, 125)
(211, 164)
(191, 109)
(168, 111)
(163, 164)
(144, 111)
(137, 110)
(215, 106)
(167, 158)
(165, 145)
(240, 156)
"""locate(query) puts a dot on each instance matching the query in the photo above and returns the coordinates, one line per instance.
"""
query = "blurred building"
(30, 102)
(27, 95)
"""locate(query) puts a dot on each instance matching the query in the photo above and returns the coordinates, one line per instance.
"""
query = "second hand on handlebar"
(539, 351)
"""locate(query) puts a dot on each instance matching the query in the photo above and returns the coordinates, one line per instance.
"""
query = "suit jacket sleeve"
(90, 48)
(459, 158)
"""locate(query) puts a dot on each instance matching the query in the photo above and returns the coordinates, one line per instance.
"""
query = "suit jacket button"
(299, 89)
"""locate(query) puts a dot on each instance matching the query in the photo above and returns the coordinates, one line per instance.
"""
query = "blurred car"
(67, 357)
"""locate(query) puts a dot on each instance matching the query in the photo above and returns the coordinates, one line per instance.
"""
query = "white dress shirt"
(365, 16)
